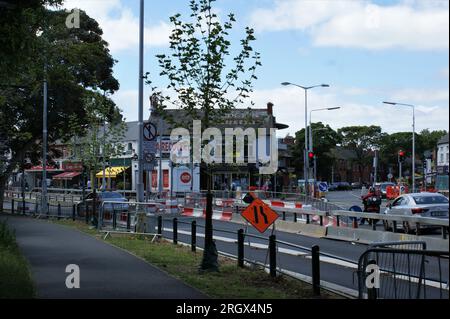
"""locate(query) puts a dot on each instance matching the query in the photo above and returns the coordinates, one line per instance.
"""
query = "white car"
(433, 205)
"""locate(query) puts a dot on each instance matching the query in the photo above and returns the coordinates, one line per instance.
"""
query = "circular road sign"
(185, 177)
(149, 131)
(323, 187)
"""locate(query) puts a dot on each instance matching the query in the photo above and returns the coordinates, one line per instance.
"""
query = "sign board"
(258, 213)
(149, 131)
(323, 187)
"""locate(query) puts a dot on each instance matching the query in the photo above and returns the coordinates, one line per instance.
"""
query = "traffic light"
(401, 156)
(311, 159)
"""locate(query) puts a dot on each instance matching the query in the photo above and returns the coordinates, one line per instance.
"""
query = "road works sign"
(258, 213)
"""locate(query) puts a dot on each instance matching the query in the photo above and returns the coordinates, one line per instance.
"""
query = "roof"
(443, 140)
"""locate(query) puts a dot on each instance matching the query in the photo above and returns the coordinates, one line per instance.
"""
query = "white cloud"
(418, 96)
(359, 24)
(289, 109)
(120, 25)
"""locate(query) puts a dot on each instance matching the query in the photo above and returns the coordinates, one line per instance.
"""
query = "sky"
(367, 51)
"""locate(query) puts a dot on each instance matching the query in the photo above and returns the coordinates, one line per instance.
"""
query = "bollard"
(355, 222)
(338, 221)
(295, 217)
(193, 236)
(417, 229)
(240, 234)
(128, 222)
(160, 225)
(59, 211)
(315, 260)
(48, 210)
(114, 219)
(73, 212)
(394, 226)
(272, 256)
(321, 220)
(12, 206)
(36, 208)
(175, 231)
(284, 216)
(374, 224)
(307, 218)
(86, 214)
(444, 232)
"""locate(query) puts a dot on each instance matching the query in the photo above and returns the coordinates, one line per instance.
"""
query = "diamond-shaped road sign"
(258, 213)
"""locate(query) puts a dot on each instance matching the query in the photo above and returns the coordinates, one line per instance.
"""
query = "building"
(442, 160)
(223, 175)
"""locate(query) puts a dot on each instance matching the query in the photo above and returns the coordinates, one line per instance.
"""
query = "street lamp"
(305, 88)
(413, 141)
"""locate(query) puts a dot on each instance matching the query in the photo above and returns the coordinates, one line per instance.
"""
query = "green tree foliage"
(324, 140)
(205, 81)
(75, 61)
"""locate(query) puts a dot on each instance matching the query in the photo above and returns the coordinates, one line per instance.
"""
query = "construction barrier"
(201, 213)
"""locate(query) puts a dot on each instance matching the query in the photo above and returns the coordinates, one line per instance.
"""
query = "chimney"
(270, 108)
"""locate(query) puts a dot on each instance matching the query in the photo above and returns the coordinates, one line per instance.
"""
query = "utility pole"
(44, 146)
(140, 182)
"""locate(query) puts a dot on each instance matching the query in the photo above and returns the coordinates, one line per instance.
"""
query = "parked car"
(339, 186)
(356, 185)
(106, 197)
(432, 205)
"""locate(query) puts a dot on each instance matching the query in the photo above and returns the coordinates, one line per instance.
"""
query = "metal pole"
(306, 168)
(160, 177)
(44, 146)
(140, 183)
(103, 149)
(414, 153)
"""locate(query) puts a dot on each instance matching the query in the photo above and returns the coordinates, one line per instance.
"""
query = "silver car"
(432, 205)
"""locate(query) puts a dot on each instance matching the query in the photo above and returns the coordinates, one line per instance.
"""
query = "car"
(433, 205)
(382, 187)
(356, 185)
(102, 197)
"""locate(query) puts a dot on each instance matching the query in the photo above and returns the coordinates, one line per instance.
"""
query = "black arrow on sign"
(261, 211)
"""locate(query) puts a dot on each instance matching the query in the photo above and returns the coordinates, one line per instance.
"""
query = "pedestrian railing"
(390, 271)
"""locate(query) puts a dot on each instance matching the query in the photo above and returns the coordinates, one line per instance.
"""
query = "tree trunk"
(2, 192)
(210, 254)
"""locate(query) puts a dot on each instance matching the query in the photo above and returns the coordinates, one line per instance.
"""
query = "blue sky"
(368, 51)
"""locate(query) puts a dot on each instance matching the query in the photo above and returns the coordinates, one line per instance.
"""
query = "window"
(130, 146)
(421, 200)
(442, 158)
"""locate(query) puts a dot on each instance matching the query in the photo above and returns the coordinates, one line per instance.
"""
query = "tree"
(324, 139)
(362, 140)
(200, 77)
(78, 62)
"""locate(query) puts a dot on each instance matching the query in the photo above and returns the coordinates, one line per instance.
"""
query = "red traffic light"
(311, 155)
(401, 153)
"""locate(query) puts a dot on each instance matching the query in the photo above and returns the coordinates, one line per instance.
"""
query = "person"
(88, 184)
(372, 206)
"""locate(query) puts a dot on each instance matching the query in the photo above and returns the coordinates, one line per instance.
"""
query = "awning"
(66, 175)
(111, 172)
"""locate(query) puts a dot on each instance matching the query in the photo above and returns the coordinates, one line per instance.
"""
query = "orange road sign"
(258, 213)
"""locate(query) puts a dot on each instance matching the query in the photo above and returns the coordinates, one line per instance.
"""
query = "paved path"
(105, 271)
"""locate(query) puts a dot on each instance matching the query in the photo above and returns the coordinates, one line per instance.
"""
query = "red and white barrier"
(201, 212)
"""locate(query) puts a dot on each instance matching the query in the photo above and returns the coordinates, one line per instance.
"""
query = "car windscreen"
(423, 200)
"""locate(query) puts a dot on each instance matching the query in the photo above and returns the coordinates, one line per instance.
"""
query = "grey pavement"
(105, 271)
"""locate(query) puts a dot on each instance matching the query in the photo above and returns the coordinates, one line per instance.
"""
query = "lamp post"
(413, 141)
(140, 182)
(305, 88)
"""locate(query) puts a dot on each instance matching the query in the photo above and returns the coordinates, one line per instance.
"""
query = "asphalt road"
(339, 268)
(105, 271)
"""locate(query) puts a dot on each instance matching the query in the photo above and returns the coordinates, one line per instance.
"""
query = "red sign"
(185, 177)
(165, 178)
(259, 214)
(72, 166)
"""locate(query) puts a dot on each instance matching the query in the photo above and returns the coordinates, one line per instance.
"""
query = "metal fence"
(403, 271)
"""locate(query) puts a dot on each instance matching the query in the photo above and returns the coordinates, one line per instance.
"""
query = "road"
(340, 270)
(105, 271)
